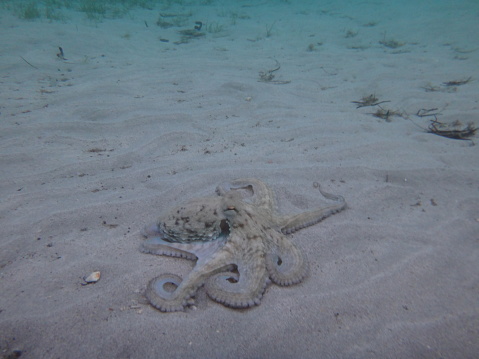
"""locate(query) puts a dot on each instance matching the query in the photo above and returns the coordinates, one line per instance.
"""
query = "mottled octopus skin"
(239, 243)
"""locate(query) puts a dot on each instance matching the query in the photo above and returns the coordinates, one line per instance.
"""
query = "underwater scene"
(239, 179)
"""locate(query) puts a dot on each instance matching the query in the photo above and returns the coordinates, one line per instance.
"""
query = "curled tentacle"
(180, 295)
(286, 264)
(239, 289)
(167, 300)
(207, 265)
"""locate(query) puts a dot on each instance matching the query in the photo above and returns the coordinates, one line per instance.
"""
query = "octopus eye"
(231, 209)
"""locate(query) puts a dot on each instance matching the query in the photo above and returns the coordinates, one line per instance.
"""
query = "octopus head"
(198, 220)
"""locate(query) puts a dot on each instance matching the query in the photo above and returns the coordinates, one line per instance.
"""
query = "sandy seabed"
(94, 147)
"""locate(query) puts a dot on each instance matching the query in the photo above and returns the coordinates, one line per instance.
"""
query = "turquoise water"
(392, 23)
(321, 41)
(444, 13)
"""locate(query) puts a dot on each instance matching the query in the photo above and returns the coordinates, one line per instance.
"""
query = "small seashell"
(92, 278)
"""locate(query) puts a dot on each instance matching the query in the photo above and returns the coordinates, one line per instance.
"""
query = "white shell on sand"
(92, 278)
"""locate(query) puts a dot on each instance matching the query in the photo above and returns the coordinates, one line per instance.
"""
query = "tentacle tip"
(161, 293)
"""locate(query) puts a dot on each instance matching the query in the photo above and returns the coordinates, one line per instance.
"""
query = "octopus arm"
(285, 262)
(259, 194)
(160, 247)
(168, 293)
(292, 224)
(242, 288)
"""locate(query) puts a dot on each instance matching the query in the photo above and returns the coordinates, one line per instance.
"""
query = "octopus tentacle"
(163, 299)
(159, 247)
(181, 296)
(241, 289)
(285, 262)
(261, 195)
(292, 224)
(193, 250)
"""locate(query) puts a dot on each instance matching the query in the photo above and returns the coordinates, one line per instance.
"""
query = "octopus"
(239, 243)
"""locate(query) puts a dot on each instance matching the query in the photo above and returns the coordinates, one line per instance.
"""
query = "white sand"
(396, 275)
